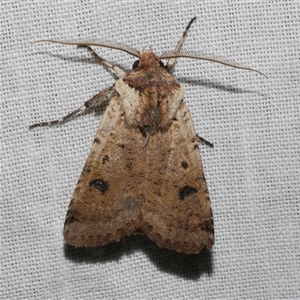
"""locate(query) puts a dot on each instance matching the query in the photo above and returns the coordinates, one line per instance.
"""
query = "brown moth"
(144, 173)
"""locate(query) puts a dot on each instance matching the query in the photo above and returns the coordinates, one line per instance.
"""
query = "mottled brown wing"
(126, 188)
(177, 213)
(107, 200)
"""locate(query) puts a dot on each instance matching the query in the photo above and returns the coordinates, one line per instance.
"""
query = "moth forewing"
(104, 207)
(177, 214)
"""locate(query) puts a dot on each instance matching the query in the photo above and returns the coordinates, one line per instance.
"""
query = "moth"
(144, 173)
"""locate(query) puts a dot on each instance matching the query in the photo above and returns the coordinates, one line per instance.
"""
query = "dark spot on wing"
(70, 218)
(208, 226)
(186, 191)
(96, 140)
(129, 165)
(105, 159)
(184, 164)
(100, 184)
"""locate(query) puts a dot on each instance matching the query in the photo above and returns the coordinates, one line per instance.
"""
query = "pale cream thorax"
(131, 100)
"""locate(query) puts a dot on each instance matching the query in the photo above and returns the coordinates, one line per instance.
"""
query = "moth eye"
(161, 64)
(135, 64)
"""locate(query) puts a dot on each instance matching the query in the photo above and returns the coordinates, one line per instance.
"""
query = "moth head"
(136, 64)
(148, 59)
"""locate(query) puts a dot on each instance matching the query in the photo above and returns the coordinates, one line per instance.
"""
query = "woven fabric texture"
(252, 172)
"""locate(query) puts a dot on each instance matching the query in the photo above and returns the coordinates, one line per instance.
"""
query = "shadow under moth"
(144, 173)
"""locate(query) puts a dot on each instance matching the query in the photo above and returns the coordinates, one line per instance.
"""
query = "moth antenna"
(208, 57)
(118, 46)
(172, 60)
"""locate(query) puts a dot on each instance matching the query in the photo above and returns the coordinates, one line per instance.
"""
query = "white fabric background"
(252, 173)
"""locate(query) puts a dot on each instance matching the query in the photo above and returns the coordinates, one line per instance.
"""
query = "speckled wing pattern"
(128, 188)
(177, 213)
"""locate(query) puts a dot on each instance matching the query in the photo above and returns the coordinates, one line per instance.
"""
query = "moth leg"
(201, 139)
(171, 61)
(117, 69)
(93, 102)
